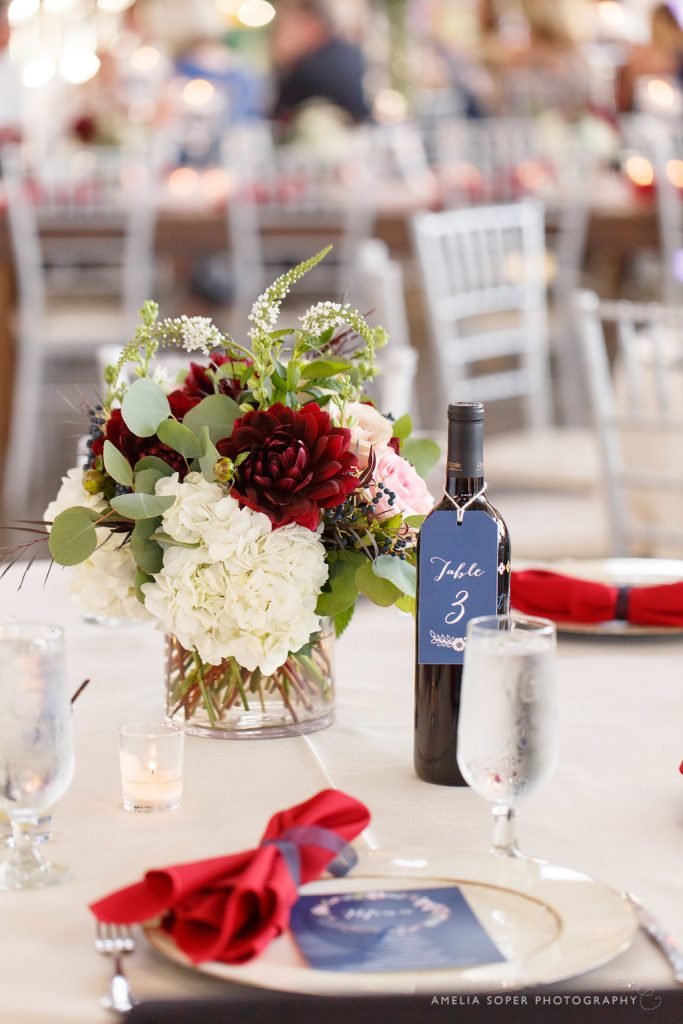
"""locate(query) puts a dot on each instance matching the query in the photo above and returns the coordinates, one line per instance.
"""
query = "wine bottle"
(463, 570)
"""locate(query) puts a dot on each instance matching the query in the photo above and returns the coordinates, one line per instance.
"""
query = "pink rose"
(411, 495)
(371, 430)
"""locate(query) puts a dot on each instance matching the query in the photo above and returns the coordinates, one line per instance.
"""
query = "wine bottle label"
(458, 580)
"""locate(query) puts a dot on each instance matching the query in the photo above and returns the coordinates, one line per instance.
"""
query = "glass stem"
(25, 857)
(505, 831)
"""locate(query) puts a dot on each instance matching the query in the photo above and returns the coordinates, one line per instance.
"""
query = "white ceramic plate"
(617, 572)
(551, 923)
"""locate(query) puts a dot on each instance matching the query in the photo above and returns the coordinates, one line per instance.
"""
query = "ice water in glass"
(37, 762)
(507, 733)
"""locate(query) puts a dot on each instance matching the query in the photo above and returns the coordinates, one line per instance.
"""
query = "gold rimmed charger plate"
(616, 572)
(551, 923)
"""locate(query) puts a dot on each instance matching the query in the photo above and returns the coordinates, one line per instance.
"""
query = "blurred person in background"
(312, 62)
(662, 56)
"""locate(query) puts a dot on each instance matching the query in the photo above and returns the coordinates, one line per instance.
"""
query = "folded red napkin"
(230, 908)
(566, 599)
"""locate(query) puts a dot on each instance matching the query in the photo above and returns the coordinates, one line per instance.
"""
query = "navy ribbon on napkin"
(292, 839)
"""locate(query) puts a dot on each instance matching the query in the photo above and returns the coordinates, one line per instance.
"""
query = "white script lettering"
(457, 574)
(459, 603)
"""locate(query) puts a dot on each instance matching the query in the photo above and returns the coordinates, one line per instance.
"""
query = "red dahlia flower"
(134, 447)
(198, 383)
(298, 463)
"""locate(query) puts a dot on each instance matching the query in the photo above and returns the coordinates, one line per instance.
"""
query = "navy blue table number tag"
(458, 581)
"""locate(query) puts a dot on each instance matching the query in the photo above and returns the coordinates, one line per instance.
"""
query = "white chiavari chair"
(484, 280)
(508, 159)
(82, 228)
(634, 367)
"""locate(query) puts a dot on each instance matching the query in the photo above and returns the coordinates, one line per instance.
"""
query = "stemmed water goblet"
(507, 730)
(36, 751)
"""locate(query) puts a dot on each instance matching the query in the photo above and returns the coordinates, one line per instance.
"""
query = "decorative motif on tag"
(458, 643)
(459, 570)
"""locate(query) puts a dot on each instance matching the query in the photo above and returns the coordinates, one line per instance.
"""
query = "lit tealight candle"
(151, 766)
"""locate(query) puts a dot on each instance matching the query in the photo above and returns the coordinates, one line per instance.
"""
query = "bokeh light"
(183, 181)
(255, 13)
(38, 72)
(79, 65)
(198, 92)
(22, 10)
(640, 170)
(145, 58)
(660, 92)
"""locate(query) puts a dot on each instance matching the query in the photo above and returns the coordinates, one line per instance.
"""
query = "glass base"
(38, 877)
(255, 726)
(130, 805)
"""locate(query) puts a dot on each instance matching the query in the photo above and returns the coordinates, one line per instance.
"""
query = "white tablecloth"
(614, 809)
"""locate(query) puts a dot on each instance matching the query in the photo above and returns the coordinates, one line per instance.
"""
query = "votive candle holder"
(151, 755)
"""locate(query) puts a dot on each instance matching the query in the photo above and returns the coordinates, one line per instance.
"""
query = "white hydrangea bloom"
(204, 514)
(246, 591)
(104, 584)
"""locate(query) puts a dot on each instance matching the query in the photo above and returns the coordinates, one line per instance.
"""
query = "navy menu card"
(391, 930)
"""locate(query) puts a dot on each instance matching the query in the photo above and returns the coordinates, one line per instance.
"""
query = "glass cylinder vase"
(229, 702)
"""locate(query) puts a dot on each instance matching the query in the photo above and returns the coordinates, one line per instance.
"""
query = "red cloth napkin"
(566, 599)
(230, 908)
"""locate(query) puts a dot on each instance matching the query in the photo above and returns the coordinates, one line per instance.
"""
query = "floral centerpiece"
(246, 507)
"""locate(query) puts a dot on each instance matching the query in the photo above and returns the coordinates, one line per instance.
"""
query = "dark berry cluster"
(355, 523)
(95, 433)
(382, 489)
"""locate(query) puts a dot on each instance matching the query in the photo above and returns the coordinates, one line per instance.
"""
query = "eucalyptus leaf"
(153, 462)
(407, 604)
(142, 506)
(398, 571)
(146, 480)
(147, 553)
(117, 465)
(421, 453)
(72, 537)
(179, 437)
(403, 427)
(341, 589)
(144, 407)
(342, 620)
(141, 578)
(209, 455)
(217, 412)
(165, 538)
(380, 591)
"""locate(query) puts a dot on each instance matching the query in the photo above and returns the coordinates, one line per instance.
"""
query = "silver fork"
(115, 940)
